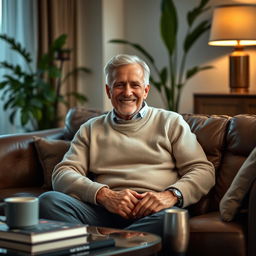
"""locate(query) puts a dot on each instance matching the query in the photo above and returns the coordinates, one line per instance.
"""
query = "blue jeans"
(59, 206)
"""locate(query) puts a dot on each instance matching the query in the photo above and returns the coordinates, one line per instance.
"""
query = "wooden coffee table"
(127, 242)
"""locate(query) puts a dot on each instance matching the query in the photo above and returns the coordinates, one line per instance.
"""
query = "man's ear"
(146, 91)
(107, 87)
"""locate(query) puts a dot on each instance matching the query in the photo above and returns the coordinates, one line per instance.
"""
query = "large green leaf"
(37, 113)
(191, 72)
(193, 14)
(24, 117)
(12, 116)
(192, 37)
(169, 25)
(14, 82)
(8, 103)
(16, 46)
(76, 71)
(164, 75)
(59, 42)
(54, 72)
(45, 61)
(157, 85)
(35, 103)
(3, 84)
(168, 93)
(16, 69)
(136, 46)
(78, 96)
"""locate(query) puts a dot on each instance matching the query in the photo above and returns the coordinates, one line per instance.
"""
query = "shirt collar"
(143, 111)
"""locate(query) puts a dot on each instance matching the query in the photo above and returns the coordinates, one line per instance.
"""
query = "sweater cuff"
(95, 195)
(91, 192)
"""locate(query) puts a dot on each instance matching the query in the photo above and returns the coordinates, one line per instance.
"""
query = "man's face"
(127, 90)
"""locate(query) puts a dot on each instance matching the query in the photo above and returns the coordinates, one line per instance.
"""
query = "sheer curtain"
(19, 20)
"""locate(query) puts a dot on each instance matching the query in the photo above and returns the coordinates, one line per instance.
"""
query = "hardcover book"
(46, 230)
(58, 247)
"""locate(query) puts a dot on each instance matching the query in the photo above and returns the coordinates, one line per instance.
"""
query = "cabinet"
(225, 103)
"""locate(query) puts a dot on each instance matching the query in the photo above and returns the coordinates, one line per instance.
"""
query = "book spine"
(68, 251)
(83, 248)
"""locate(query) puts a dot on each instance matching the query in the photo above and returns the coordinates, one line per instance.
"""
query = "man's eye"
(118, 85)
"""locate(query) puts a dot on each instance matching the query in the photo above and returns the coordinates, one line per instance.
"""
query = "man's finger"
(141, 207)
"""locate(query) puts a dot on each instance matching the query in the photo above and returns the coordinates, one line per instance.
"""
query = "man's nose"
(127, 90)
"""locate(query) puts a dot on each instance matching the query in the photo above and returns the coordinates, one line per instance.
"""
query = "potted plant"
(171, 79)
(36, 92)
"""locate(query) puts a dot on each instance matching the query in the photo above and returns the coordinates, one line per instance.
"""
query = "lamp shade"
(233, 25)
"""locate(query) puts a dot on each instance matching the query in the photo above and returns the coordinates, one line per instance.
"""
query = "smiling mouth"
(127, 100)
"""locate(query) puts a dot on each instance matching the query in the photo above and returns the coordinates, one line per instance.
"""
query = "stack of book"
(49, 238)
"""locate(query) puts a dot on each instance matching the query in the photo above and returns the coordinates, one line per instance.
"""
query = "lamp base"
(239, 90)
(239, 71)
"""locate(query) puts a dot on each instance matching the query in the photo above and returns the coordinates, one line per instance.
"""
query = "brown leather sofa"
(227, 142)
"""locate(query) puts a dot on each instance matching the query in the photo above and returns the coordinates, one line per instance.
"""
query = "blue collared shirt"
(143, 111)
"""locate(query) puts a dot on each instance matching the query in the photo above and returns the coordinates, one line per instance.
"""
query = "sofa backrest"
(75, 117)
(211, 134)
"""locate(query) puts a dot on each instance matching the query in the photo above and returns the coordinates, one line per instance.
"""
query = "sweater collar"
(143, 111)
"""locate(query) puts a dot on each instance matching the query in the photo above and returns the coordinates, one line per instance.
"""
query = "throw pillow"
(50, 153)
(231, 201)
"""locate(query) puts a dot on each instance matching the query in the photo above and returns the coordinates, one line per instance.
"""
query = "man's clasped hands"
(133, 205)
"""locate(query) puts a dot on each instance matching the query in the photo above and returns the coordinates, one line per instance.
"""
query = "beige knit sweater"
(150, 154)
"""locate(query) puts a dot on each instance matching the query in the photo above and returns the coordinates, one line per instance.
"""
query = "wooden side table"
(225, 103)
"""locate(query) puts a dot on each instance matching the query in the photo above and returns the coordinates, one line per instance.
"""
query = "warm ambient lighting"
(234, 25)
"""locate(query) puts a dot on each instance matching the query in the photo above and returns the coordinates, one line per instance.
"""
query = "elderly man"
(143, 160)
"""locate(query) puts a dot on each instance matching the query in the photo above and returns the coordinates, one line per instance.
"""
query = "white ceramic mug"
(21, 212)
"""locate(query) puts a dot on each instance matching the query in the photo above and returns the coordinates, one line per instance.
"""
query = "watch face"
(176, 192)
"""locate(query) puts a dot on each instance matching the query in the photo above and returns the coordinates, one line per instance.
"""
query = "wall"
(90, 50)
(138, 21)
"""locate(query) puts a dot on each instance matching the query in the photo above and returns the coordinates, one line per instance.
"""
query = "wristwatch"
(178, 194)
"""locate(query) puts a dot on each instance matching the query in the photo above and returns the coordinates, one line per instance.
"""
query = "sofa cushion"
(50, 153)
(231, 201)
(211, 236)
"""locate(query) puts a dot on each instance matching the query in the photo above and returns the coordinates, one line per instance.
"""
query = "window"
(18, 20)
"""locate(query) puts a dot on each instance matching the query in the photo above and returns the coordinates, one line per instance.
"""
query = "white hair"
(125, 59)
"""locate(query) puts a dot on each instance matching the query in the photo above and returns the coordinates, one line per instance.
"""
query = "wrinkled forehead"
(130, 72)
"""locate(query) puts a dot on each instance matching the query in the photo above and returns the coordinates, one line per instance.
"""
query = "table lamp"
(235, 25)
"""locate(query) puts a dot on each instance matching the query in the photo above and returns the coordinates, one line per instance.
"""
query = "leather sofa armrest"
(20, 165)
(252, 221)
(55, 133)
